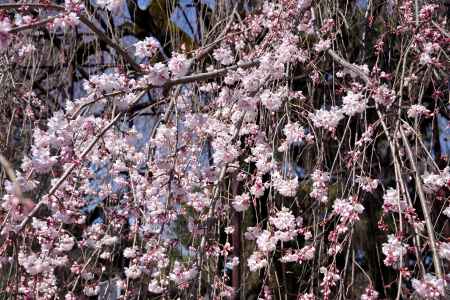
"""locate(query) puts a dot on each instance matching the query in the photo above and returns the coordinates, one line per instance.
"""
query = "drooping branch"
(424, 206)
(83, 18)
(66, 174)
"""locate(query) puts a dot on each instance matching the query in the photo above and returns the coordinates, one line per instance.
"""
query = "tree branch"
(66, 174)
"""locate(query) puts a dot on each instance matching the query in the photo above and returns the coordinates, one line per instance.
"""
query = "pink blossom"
(444, 250)
(252, 83)
(322, 45)
(33, 264)
(115, 6)
(119, 179)
(286, 187)
(224, 55)
(266, 241)
(446, 211)
(272, 100)
(256, 261)
(294, 133)
(425, 58)
(329, 280)
(258, 188)
(157, 75)
(368, 184)
(301, 255)
(320, 185)
(178, 65)
(252, 233)
(66, 243)
(133, 272)
(130, 252)
(147, 48)
(353, 103)
(434, 182)
(283, 220)
(369, 294)
(199, 201)
(417, 110)
(26, 50)
(241, 202)
(327, 119)
(155, 288)
(307, 296)
(347, 209)
(181, 274)
(262, 156)
(91, 290)
(393, 202)
(429, 287)
(104, 83)
(384, 95)
(394, 249)
(66, 21)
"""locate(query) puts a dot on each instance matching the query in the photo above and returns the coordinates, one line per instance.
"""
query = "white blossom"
(133, 272)
(147, 48)
(393, 250)
(417, 110)
(224, 55)
(353, 103)
(327, 119)
(322, 45)
(429, 287)
(266, 241)
(92, 290)
(241, 202)
(257, 261)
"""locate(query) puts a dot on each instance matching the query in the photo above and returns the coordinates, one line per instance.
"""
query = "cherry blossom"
(178, 65)
(241, 202)
(446, 211)
(444, 250)
(434, 182)
(327, 119)
(257, 261)
(147, 48)
(429, 287)
(322, 45)
(224, 55)
(353, 103)
(393, 202)
(384, 95)
(369, 294)
(172, 163)
(347, 209)
(368, 184)
(320, 186)
(114, 6)
(266, 241)
(286, 187)
(394, 249)
(417, 110)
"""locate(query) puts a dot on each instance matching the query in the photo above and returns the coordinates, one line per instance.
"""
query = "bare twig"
(423, 203)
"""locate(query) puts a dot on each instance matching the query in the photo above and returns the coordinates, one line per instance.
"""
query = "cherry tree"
(275, 150)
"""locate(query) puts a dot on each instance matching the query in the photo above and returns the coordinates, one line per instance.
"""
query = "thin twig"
(426, 212)
(85, 20)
